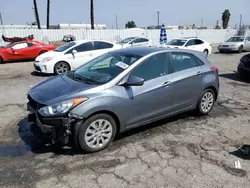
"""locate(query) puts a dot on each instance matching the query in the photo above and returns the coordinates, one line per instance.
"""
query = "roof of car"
(143, 51)
(187, 38)
(87, 40)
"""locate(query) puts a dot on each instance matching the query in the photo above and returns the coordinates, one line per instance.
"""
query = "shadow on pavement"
(34, 73)
(234, 76)
(243, 152)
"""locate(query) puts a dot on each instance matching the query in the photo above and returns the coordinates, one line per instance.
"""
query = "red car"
(23, 50)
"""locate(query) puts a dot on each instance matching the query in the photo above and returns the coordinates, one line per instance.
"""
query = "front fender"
(92, 106)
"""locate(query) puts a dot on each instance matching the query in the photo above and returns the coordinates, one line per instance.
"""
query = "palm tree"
(36, 15)
(225, 18)
(92, 14)
(48, 13)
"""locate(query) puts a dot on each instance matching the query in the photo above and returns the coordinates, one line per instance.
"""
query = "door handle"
(166, 84)
(90, 54)
(199, 73)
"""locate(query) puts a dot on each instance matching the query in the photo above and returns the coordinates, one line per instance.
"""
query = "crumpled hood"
(48, 54)
(56, 89)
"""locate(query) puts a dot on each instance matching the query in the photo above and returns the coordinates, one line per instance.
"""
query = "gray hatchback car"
(120, 90)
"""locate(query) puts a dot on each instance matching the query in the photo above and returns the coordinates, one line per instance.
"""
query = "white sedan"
(136, 42)
(72, 55)
(191, 43)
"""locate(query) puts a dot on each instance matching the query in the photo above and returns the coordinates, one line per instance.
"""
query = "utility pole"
(201, 23)
(48, 13)
(92, 13)
(116, 22)
(1, 19)
(240, 24)
(158, 19)
(36, 15)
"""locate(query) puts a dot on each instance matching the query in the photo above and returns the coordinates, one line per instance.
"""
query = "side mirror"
(133, 81)
(74, 52)
(13, 51)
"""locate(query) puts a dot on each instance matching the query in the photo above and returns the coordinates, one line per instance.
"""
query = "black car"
(244, 66)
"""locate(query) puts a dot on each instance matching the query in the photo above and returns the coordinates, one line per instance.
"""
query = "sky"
(142, 12)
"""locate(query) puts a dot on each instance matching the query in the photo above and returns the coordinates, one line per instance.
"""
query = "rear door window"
(98, 45)
(191, 43)
(182, 61)
(153, 67)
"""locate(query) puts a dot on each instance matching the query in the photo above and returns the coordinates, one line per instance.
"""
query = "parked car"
(118, 91)
(136, 42)
(72, 55)
(244, 67)
(65, 39)
(235, 44)
(191, 43)
(24, 50)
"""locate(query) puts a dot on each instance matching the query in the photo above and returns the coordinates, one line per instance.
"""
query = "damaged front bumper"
(50, 130)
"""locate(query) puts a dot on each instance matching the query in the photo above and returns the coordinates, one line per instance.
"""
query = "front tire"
(61, 67)
(94, 134)
(240, 49)
(206, 102)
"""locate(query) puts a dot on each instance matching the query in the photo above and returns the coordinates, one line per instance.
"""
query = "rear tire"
(94, 134)
(240, 49)
(205, 52)
(206, 102)
(1, 60)
(61, 67)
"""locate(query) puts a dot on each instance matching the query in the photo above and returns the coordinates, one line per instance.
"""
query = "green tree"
(130, 24)
(225, 18)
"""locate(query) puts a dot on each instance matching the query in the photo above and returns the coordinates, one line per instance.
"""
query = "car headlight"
(47, 59)
(60, 108)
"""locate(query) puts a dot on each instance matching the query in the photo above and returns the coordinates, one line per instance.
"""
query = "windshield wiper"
(84, 79)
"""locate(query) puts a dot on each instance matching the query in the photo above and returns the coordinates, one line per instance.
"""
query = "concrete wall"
(210, 35)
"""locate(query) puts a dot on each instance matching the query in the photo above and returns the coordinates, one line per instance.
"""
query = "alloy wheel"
(207, 102)
(98, 133)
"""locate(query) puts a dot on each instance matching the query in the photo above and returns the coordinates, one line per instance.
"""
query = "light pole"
(158, 19)
(92, 14)
(48, 13)
(116, 22)
(36, 15)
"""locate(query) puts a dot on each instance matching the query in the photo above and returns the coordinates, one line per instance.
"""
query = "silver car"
(235, 44)
(136, 42)
(118, 91)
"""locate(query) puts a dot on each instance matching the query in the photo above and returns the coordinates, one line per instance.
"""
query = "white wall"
(210, 35)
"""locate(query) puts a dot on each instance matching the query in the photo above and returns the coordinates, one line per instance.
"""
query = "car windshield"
(103, 68)
(236, 39)
(127, 40)
(177, 42)
(65, 47)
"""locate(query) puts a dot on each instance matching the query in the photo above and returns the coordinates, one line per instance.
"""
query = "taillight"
(213, 68)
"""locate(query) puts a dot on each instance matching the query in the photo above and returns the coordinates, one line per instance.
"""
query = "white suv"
(72, 55)
(191, 43)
